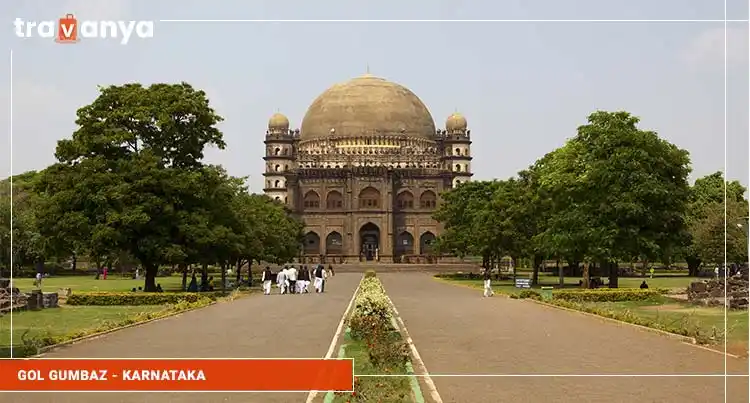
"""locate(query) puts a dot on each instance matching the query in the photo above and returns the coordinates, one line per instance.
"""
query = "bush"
(388, 351)
(370, 273)
(529, 294)
(606, 295)
(136, 298)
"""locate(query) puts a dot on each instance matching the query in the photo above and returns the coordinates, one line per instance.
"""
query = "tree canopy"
(613, 192)
(132, 181)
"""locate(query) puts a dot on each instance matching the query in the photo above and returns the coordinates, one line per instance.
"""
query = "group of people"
(291, 280)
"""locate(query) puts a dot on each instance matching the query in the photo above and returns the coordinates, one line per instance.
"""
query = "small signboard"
(523, 283)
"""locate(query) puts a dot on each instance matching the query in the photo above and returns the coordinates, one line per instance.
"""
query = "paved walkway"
(456, 331)
(248, 327)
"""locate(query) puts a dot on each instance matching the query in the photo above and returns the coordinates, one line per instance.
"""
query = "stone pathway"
(458, 332)
(294, 326)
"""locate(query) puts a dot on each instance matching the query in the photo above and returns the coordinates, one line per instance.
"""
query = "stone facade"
(366, 171)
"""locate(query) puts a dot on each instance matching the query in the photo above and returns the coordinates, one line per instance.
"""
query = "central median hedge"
(377, 347)
(137, 298)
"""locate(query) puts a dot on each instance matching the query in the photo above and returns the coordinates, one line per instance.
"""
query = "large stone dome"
(367, 106)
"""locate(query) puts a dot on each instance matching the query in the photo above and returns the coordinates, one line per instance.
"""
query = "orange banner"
(175, 375)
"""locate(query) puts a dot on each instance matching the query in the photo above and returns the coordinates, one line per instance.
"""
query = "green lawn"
(64, 320)
(671, 312)
(89, 283)
(507, 287)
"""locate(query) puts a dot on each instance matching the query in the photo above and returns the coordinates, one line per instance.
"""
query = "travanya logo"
(70, 30)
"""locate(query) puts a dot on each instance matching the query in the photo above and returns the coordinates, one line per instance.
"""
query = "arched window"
(428, 200)
(404, 244)
(276, 183)
(369, 197)
(277, 151)
(334, 200)
(284, 151)
(286, 201)
(277, 198)
(286, 167)
(311, 199)
(458, 151)
(466, 151)
(458, 167)
(269, 184)
(334, 243)
(457, 183)
(277, 168)
(426, 242)
(405, 200)
(312, 243)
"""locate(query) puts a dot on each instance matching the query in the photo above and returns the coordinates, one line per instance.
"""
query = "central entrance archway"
(369, 236)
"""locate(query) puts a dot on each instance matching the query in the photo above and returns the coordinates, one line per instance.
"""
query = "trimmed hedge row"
(136, 298)
(606, 295)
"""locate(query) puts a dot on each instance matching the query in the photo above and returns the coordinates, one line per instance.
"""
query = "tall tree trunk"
(560, 273)
(586, 277)
(694, 264)
(239, 272)
(249, 272)
(184, 269)
(98, 264)
(223, 277)
(538, 260)
(74, 264)
(614, 274)
(150, 281)
(204, 277)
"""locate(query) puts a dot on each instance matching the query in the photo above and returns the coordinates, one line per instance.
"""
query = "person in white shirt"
(292, 276)
(282, 281)
(267, 281)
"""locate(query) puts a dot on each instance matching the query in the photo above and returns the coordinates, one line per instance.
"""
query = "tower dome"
(367, 106)
(278, 121)
(456, 121)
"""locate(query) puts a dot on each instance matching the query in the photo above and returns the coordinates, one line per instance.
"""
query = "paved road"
(456, 331)
(248, 327)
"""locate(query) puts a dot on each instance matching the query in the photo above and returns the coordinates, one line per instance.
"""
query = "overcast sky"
(523, 86)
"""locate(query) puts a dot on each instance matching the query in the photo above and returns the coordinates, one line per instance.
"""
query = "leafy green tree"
(716, 238)
(122, 181)
(464, 212)
(705, 195)
(617, 192)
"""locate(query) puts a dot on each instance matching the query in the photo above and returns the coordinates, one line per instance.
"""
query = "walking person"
(300, 281)
(488, 283)
(305, 279)
(266, 279)
(330, 270)
(292, 275)
(319, 278)
(281, 281)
